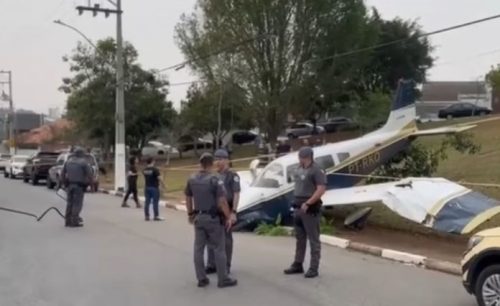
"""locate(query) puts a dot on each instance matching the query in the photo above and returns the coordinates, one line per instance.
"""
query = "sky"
(32, 46)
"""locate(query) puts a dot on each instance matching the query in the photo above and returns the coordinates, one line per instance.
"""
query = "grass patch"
(272, 229)
(326, 226)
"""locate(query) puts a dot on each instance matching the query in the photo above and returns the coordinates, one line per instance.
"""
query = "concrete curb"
(398, 256)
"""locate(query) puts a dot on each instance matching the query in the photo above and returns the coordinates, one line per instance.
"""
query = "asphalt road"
(119, 259)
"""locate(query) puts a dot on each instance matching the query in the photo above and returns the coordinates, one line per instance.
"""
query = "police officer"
(232, 186)
(76, 176)
(310, 185)
(205, 199)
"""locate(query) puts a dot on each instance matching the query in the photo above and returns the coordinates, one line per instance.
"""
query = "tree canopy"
(296, 56)
(91, 95)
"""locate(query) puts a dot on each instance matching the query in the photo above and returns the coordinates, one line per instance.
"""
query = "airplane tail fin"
(403, 114)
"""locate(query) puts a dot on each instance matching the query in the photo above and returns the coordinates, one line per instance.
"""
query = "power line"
(447, 29)
(230, 47)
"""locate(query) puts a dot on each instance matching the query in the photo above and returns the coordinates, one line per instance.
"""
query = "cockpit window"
(325, 162)
(272, 177)
(343, 156)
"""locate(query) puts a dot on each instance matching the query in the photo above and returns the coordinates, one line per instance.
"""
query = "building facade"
(439, 95)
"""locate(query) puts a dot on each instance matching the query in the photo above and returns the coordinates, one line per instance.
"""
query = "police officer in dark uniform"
(76, 176)
(310, 185)
(231, 181)
(205, 199)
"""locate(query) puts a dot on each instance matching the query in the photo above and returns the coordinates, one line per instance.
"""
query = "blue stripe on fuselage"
(269, 210)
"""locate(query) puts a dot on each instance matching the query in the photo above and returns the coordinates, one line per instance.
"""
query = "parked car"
(337, 124)
(14, 167)
(303, 129)
(4, 161)
(54, 176)
(463, 110)
(157, 149)
(242, 137)
(187, 143)
(481, 267)
(37, 166)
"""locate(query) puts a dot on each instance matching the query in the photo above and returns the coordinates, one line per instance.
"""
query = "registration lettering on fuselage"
(364, 164)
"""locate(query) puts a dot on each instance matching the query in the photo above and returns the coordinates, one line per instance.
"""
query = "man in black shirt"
(152, 180)
(132, 183)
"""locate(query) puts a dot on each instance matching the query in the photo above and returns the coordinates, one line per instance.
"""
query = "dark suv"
(38, 165)
(54, 177)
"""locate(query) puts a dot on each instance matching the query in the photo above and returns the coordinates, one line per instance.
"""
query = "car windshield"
(271, 177)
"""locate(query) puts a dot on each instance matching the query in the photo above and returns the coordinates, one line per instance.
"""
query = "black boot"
(228, 282)
(311, 273)
(295, 268)
(203, 283)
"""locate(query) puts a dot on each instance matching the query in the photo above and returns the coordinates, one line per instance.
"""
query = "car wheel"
(5, 174)
(487, 289)
(49, 183)
(11, 175)
(25, 178)
(34, 180)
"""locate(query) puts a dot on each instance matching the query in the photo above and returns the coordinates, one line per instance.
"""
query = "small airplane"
(433, 202)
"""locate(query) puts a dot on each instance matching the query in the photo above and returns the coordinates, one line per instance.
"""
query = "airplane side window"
(343, 156)
(325, 162)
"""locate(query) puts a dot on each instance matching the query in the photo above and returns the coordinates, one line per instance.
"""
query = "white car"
(4, 161)
(157, 149)
(15, 166)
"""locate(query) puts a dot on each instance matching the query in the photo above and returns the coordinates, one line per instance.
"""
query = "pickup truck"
(54, 181)
(38, 165)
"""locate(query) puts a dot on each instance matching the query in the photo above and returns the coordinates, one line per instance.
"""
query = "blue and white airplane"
(433, 202)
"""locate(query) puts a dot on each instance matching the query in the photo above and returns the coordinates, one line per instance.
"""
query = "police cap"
(306, 152)
(221, 153)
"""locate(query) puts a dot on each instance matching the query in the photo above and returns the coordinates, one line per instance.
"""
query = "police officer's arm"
(221, 199)
(236, 191)
(189, 199)
(319, 178)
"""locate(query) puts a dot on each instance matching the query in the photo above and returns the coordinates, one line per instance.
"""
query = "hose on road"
(38, 219)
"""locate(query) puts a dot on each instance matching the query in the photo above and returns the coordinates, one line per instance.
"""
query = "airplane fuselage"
(346, 164)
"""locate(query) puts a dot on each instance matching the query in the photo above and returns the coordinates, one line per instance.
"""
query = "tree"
(278, 39)
(91, 95)
(201, 110)
(409, 57)
(493, 78)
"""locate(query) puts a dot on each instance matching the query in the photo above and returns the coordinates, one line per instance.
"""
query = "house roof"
(449, 91)
(45, 133)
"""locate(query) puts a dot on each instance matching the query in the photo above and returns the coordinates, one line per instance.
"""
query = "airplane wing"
(443, 130)
(433, 202)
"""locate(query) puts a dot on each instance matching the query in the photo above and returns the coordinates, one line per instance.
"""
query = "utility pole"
(12, 119)
(120, 96)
